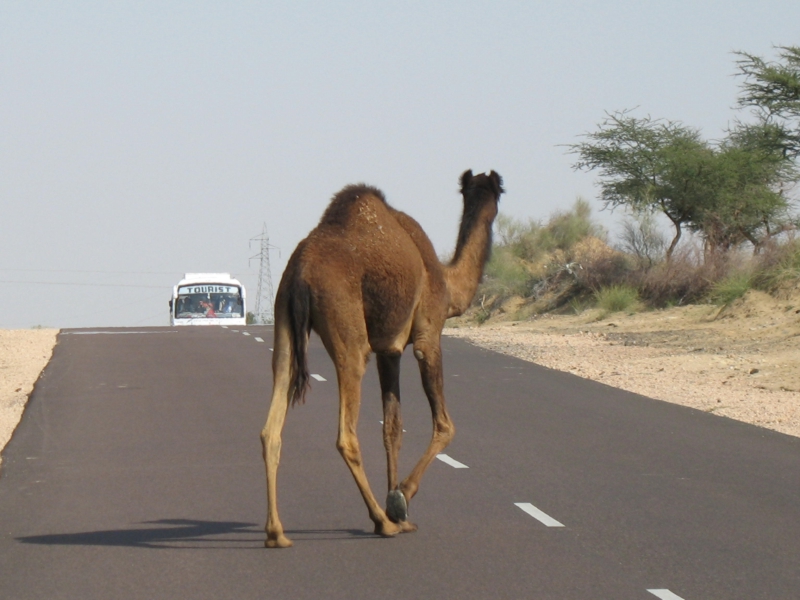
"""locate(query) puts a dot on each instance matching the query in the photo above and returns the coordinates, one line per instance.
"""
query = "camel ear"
(495, 178)
(466, 177)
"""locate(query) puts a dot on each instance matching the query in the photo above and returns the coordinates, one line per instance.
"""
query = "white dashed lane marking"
(538, 515)
(527, 507)
(665, 595)
(451, 461)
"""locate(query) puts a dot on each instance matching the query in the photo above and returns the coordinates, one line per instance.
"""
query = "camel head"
(491, 182)
(481, 194)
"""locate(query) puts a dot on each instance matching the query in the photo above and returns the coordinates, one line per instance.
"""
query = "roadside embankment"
(742, 361)
(23, 355)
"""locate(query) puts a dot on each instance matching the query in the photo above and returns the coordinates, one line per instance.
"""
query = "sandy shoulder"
(23, 355)
(743, 363)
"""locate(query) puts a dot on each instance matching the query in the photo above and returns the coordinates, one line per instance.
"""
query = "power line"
(131, 285)
(92, 271)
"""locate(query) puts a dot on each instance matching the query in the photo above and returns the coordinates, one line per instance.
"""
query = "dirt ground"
(742, 361)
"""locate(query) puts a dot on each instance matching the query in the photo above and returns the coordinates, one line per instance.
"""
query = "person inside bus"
(184, 304)
(208, 307)
(227, 305)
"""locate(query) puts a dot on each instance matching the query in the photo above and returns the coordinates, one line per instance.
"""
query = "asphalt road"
(136, 472)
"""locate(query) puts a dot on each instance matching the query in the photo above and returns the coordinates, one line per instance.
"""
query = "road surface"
(136, 472)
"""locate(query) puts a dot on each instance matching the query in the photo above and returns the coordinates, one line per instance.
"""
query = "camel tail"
(299, 327)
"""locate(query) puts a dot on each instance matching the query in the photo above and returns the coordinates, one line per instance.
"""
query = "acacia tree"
(772, 90)
(649, 164)
(732, 192)
(769, 148)
(745, 200)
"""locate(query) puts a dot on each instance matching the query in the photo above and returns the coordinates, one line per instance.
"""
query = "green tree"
(745, 201)
(649, 164)
(772, 89)
(730, 193)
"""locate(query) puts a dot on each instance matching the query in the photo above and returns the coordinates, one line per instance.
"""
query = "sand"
(23, 355)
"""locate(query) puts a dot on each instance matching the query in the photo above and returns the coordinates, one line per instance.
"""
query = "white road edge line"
(258, 339)
(665, 595)
(111, 332)
(318, 377)
(537, 514)
(451, 461)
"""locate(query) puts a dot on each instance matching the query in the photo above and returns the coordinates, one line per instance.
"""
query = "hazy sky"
(141, 140)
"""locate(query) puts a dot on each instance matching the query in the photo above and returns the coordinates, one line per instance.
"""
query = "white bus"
(208, 299)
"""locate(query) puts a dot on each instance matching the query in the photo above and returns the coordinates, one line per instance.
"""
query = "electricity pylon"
(265, 296)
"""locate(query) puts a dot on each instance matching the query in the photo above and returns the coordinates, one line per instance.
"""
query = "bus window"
(192, 303)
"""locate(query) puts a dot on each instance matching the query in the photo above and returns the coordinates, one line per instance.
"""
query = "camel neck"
(464, 272)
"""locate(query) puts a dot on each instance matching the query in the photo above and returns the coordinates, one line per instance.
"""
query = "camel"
(367, 280)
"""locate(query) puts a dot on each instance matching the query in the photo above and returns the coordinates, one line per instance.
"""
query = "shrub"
(531, 240)
(688, 277)
(641, 237)
(521, 239)
(565, 229)
(731, 288)
(616, 298)
(577, 305)
(505, 275)
(777, 265)
(600, 265)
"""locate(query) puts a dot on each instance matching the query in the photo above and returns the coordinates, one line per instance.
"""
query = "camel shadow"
(184, 534)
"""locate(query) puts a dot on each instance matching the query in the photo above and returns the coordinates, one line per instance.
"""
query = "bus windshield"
(209, 301)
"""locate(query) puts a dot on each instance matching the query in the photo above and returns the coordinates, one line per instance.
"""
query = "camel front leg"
(349, 448)
(430, 364)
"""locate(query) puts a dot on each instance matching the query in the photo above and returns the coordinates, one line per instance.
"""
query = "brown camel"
(367, 279)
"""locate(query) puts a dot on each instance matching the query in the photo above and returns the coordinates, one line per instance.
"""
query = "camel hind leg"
(343, 332)
(271, 434)
(389, 374)
(429, 357)
(349, 374)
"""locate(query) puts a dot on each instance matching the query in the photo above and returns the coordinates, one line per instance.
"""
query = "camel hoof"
(396, 506)
(279, 542)
(387, 529)
(407, 527)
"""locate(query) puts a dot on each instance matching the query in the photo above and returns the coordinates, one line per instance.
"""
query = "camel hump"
(340, 209)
